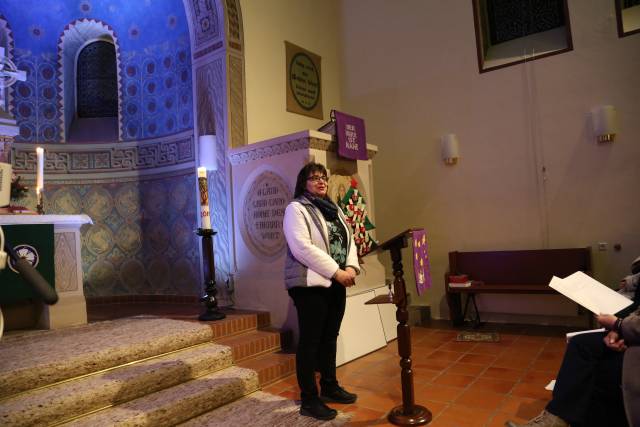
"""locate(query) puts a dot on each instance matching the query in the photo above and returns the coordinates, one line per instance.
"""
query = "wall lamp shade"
(605, 122)
(208, 153)
(450, 149)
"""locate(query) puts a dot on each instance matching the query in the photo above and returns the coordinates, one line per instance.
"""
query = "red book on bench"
(460, 278)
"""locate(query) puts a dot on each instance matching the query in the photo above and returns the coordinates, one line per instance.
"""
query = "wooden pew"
(509, 272)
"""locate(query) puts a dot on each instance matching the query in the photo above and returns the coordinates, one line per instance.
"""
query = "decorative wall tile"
(142, 227)
(159, 273)
(129, 238)
(128, 201)
(133, 275)
(99, 203)
(99, 239)
(65, 200)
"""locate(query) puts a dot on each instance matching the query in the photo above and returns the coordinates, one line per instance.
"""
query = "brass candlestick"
(39, 202)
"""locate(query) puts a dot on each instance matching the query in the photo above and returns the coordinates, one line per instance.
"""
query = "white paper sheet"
(589, 293)
(590, 331)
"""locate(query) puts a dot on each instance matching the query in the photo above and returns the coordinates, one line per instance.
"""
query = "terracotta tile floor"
(461, 383)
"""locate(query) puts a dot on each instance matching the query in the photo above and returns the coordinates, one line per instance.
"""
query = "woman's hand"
(623, 285)
(613, 341)
(345, 277)
(606, 320)
(351, 271)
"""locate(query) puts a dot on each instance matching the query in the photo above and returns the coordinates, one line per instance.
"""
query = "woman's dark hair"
(305, 172)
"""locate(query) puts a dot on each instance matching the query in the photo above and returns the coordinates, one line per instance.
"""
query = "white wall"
(310, 24)
(410, 69)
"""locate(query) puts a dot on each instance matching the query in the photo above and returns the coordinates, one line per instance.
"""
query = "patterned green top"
(338, 242)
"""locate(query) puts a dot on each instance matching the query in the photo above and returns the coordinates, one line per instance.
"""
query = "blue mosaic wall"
(153, 38)
(35, 101)
(142, 240)
(157, 96)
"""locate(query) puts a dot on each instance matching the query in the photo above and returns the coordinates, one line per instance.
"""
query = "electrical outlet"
(602, 246)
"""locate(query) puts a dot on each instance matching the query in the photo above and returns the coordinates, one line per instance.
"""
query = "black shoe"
(317, 409)
(338, 395)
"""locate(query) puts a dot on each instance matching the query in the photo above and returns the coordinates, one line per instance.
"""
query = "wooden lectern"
(407, 414)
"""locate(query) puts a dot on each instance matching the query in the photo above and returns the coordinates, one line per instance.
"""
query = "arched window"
(97, 81)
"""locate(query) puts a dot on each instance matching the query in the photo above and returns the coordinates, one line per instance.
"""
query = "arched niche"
(73, 39)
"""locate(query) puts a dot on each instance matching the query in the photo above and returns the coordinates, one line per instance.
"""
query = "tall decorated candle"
(39, 169)
(205, 214)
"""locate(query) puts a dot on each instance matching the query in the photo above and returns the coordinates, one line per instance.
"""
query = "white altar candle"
(205, 214)
(40, 169)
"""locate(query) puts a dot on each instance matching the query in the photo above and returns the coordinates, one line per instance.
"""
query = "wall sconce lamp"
(450, 149)
(208, 153)
(605, 122)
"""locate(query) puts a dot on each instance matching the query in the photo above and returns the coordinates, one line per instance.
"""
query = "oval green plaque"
(304, 80)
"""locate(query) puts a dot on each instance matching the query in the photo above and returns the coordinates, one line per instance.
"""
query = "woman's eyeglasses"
(316, 178)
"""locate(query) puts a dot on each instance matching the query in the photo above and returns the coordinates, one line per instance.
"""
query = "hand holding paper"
(589, 293)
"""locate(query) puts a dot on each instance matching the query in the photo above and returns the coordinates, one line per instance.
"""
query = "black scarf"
(327, 207)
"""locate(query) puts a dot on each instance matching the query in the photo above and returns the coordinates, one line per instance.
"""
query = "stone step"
(252, 344)
(271, 367)
(54, 404)
(178, 403)
(34, 360)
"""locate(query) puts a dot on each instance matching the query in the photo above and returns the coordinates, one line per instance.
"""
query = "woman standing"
(321, 263)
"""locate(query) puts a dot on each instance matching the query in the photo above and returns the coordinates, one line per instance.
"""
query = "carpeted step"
(261, 409)
(68, 399)
(179, 403)
(252, 344)
(35, 360)
(271, 367)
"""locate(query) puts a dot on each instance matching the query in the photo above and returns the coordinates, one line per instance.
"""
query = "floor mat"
(478, 336)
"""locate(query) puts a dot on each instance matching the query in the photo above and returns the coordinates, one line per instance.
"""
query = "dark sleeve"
(630, 328)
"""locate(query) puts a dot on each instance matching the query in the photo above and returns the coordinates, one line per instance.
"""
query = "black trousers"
(320, 311)
(588, 388)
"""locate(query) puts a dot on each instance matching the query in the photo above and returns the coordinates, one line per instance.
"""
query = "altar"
(71, 308)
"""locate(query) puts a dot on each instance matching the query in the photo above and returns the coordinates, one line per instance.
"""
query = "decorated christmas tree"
(355, 209)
